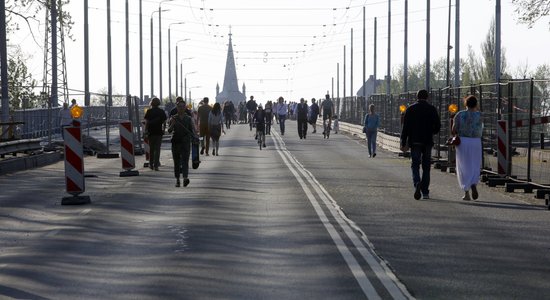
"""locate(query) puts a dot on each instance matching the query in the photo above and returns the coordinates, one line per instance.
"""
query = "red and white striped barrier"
(147, 151)
(74, 165)
(502, 145)
(127, 149)
(534, 121)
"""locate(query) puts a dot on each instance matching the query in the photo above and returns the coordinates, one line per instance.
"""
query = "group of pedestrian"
(421, 121)
(187, 127)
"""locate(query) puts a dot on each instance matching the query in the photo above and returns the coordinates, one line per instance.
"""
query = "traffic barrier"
(534, 121)
(147, 151)
(74, 165)
(502, 155)
(127, 149)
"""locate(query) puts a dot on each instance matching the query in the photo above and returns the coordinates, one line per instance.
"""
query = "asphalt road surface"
(300, 219)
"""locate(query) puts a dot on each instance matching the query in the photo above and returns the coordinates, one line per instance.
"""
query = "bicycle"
(260, 134)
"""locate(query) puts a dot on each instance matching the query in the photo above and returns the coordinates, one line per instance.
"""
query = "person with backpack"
(327, 110)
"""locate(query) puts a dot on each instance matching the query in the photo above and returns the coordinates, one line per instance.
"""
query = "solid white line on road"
(396, 289)
(357, 271)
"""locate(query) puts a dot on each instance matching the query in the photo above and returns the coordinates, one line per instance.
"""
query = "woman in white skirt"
(469, 127)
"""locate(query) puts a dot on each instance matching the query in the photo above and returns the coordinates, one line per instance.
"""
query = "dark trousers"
(282, 119)
(180, 154)
(302, 127)
(421, 155)
(155, 142)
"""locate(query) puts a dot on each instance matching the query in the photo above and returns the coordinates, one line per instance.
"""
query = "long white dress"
(469, 152)
(468, 162)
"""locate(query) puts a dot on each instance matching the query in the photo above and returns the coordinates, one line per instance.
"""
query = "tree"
(530, 11)
(21, 85)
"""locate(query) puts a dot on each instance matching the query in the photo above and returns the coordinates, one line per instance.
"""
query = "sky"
(286, 48)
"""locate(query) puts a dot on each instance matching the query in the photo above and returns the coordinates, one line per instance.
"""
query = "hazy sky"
(284, 47)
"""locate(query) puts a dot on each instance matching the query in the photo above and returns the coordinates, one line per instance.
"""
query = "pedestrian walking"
(215, 126)
(65, 118)
(282, 111)
(268, 116)
(370, 128)
(154, 127)
(420, 123)
(204, 112)
(327, 109)
(313, 114)
(181, 127)
(468, 126)
(301, 117)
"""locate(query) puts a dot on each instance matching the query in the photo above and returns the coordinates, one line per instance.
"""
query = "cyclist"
(327, 110)
(251, 107)
(260, 120)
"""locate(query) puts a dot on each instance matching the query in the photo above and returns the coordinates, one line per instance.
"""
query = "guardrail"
(18, 146)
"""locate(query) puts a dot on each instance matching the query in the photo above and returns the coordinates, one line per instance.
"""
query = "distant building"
(230, 90)
(369, 87)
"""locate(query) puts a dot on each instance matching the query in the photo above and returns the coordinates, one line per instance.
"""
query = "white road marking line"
(85, 212)
(357, 271)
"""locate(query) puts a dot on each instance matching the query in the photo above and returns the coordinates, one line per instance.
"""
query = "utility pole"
(109, 63)
(128, 101)
(351, 65)
(375, 50)
(428, 45)
(406, 50)
(53, 17)
(4, 64)
(388, 78)
(364, 59)
(140, 52)
(448, 71)
(86, 57)
(457, 43)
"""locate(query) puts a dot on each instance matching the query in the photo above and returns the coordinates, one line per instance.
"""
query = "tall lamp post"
(176, 64)
(170, 61)
(185, 82)
(190, 98)
(160, 47)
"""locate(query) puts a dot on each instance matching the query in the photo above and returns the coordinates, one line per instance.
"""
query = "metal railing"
(513, 101)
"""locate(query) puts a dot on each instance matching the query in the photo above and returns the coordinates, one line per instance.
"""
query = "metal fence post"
(530, 137)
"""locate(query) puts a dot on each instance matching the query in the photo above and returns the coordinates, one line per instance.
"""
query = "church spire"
(230, 90)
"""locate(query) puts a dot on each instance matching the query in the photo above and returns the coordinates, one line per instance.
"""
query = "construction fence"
(524, 104)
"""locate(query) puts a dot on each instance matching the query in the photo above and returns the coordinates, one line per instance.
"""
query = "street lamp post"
(160, 47)
(185, 82)
(176, 64)
(170, 62)
(152, 56)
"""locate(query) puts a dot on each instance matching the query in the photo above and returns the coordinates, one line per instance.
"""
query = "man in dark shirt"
(420, 123)
(154, 124)
(301, 117)
(313, 113)
(204, 111)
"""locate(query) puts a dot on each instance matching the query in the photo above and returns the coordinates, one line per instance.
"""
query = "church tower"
(230, 90)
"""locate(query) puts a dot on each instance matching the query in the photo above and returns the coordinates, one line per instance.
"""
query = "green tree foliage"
(530, 11)
(21, 85)
(29, 13)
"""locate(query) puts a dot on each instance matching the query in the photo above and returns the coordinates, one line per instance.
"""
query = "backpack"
(327, 105)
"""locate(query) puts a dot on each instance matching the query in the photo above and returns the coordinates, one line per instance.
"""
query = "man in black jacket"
(154, 122)
(301, 117)
(420, 123)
